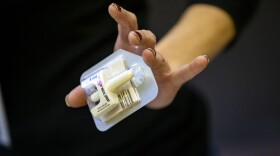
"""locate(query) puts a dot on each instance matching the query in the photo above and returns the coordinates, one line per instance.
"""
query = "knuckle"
(133, 18)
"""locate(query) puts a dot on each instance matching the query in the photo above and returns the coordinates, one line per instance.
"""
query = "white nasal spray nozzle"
(116, 82)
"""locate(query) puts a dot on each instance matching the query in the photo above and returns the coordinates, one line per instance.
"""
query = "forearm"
(202, 29)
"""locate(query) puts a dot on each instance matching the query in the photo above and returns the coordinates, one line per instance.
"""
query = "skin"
(201, 33)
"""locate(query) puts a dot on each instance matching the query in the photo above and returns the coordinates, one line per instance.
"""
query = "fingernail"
(153, 51)
(66, 101)
(138, 35)
(208, 60)
(118, 7)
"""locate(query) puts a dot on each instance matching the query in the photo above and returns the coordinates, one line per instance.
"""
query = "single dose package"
(118, 86)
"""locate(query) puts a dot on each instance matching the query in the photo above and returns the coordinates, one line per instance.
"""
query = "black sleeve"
(241, 11)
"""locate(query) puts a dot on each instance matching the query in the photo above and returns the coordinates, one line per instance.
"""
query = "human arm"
(142, 42)
(202, 29)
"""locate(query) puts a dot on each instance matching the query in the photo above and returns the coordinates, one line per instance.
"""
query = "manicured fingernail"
(118, 7)
(153, 51)
(66, 101)
(138, 35)
(208, 60)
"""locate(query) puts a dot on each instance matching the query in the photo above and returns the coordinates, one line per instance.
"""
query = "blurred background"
(242, 85)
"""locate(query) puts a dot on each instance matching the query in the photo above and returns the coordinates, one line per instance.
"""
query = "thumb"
(76, 98)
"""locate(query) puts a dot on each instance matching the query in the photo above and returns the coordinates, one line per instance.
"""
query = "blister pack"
(118, 86)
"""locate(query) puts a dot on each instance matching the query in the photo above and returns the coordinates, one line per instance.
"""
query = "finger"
(142, 38)
(190, 70)
(76, 98)
(127, 21)
(155, 61)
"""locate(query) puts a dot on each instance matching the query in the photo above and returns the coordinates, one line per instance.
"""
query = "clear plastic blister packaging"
(118, 86)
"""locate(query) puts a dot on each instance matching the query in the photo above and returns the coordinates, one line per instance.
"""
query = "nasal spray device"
(118, 86)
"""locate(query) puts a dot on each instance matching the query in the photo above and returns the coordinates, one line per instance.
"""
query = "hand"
(143, 42)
